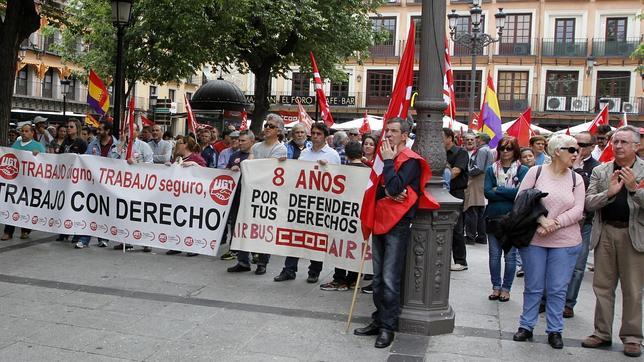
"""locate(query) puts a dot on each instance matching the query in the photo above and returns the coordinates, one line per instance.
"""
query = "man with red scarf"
(404, 175)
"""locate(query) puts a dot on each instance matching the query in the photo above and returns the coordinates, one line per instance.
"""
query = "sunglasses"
(354, 134)
(582, 144)
(269, 125)
(506, 149)
(570, 150)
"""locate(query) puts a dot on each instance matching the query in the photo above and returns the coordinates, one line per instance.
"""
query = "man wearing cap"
(42, 135)
(224, 155)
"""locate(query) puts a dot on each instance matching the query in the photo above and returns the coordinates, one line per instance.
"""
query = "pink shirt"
(562, 205)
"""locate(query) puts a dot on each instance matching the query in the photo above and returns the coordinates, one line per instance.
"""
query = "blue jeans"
(84, 239)
(495, 252)
(290, 266)
(243, 258)
(388, 258)
(580, 267)
(549, 270)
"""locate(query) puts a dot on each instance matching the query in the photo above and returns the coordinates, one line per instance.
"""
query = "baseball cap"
(234, 134)
(39, 119)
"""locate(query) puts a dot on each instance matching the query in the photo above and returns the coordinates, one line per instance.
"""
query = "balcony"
(614, 48)
(516, 49)
(556, 48)
(386, 49)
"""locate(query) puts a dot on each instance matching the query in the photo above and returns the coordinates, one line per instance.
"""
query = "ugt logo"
(9, 166)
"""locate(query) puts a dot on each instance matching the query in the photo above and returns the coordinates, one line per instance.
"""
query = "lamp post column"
(120, 82)
(474, 51)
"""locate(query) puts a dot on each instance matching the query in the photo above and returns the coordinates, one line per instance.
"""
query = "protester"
(61, 134)
(271, 147)
(221, 144)
(403, 172)
(502, 180)
(340, 139)
(474, 201)
(617, 197)
(354, 135)
(602, 135)
(298, 142)
(469, 140)
(73, 143)
(161, 149)
(12, 136)
(41, 134)
(458, 160)
(527, 157)
(369, 149)
(145, 134)
(321, 153)
(584, 166)
(343, 279)
(207, 151)
(224, 155)
(538, 145)
(26, 143)
(550, 258)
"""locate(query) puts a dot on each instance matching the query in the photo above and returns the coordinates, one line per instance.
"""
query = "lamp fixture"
(121, 11)
(65, 86)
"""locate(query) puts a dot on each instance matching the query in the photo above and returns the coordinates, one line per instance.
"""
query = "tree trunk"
(262, 103)
(21, 19)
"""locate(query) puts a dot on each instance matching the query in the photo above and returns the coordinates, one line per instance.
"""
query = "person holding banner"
(161, 149)
(271, 147)
(298, 142)
(404, 173)
(26, 143)
(321, 153)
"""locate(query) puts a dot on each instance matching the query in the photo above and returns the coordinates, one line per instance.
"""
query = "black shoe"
(147, 249)
(368, 289)
(368, 277)
(60, 238)
(312, 278)
(522, 335)
(542, 308)
(385, 337)
(238, 268)
(261, 269)
(191, 254)
(120, 246)
(284, 276)
(554, 340)
(370, 330)
(172, 252)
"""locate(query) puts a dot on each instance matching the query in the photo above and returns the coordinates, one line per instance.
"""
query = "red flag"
(607, 154)
(398, 107)
(303, 117)
(192, 121)
(321, 97)
(568, 131)
(130, 134)
(521, 128)
(459, 139)
(623, 121)
(448, 85)
(244, 121)
(366, 127)
(146, 121)
(602, 118)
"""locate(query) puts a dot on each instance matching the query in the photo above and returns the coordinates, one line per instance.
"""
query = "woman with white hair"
(550, 258)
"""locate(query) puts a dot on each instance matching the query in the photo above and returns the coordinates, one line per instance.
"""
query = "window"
(340, 89)
(414, 82)
(47, 84)
(613, 85)
(565, 30)
(462, 83)
(417, 31)
(189, 96)
(171, 95)
(516, 35)
(300, 84)
(513, 90)
(616, 29)
(464, 25)
(21, 81)
(153, 91)
(560, 84)
(71, 92)
(48, 42)
(384, 48)
(379, 86)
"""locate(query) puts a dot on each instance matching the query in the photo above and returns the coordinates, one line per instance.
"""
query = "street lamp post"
(121, 10)
(153, 107)
(475, 41)
(64, 83)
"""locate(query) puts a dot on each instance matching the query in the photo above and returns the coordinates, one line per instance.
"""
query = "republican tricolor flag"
(491, 114)
(97, 96)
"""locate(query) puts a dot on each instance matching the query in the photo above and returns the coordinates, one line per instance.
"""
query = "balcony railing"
(516, 49)
(620, 48)
(386, 49)
(571, 48)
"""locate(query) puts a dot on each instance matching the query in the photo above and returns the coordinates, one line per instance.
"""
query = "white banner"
(175, 207)
(302, 209)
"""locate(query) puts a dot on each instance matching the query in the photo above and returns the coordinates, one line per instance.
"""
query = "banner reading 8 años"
(169, 207)
(302, 209)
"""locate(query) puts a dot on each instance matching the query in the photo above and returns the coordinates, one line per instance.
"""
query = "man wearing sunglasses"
(602, 136)
(616, 194)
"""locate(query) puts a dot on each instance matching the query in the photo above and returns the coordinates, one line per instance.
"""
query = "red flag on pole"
(521, 128)
(244, 121)
(602, 118)
(130, 123)
(365, 127)
(303, 117)
(568, 131)
(448, 85)
(321, 97)
(398, 107)
(623, 121)
(146, 121)
(192, 122)
(607, 154)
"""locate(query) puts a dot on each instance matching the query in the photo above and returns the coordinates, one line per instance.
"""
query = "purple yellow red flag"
(91, 121)
(97, 96)
(491, 114)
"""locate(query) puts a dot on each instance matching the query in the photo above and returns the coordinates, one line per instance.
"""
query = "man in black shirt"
(457, 158)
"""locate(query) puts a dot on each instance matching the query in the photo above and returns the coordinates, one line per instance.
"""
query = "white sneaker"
(102, 244)
(458, 267)
(79, 245)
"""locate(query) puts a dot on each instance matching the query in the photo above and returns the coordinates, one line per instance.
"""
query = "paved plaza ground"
(95, 304)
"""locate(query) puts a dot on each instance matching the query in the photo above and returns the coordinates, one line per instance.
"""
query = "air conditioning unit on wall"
(630, 107)
(614, 104)
(556, 104)
(579, 104)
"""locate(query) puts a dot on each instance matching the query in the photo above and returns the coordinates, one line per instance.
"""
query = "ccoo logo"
(9, 166)
(221, 189)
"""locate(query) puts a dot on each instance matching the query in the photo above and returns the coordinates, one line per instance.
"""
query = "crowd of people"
(589, 205)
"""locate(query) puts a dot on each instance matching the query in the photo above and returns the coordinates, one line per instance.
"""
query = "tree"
(19, 21)
(267, 37)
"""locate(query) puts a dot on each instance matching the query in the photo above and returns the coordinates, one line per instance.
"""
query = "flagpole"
(355, 290)
(317, 108)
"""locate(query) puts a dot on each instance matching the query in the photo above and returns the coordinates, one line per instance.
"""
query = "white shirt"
(326, 153)
(162, 151)
(596, 152)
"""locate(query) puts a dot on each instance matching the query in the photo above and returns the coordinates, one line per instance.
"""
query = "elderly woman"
(502, 180)
(550, 258)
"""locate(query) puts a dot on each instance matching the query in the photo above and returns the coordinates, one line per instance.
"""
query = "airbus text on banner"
(168, 207)
(97, 96)
(491, 114)
(301, 209)
(325, 112)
